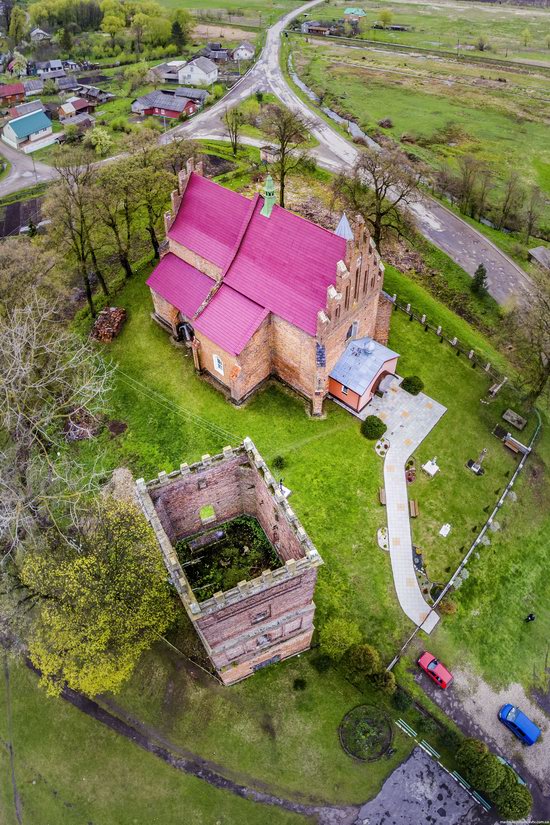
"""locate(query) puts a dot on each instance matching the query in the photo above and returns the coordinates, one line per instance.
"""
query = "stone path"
(409, 420)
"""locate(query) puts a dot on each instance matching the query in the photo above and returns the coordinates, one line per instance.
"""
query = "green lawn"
(450, 24)
(72, 770)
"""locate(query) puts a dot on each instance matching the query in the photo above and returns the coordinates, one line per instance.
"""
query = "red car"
(435, 670)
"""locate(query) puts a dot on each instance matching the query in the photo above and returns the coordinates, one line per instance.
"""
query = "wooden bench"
(382, 496)
(413, 508)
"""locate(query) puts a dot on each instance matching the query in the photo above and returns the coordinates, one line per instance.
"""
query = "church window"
(218, 364)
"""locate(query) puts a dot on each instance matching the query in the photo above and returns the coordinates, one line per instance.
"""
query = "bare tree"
(69, 207)
(151, 182)
(23, 263)
(533, 211)
(289, 132)
(115, 208)
(47, 376)
(176, 153)
(233, 119)
(531, 332)
(512, 198)
(381, 184)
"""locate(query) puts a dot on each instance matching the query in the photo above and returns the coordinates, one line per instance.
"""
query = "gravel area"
(482, 703)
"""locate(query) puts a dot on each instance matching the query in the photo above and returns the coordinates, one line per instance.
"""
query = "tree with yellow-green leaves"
(97, 609)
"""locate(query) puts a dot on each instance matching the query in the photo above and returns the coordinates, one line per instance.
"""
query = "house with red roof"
(257, 291)
(11, 94)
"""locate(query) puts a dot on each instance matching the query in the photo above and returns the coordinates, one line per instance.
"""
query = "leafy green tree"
(100, 608)
(386, 17)
(479, 281)
(185, 21)
(384, 681)
(136, 76)
(363, 660)
(100, 140)
(178, 38)
(112, 25)
(66, 41)
(337, 635)
(526, 36)
(18, 25)
(19, 64)
(116, 209)
(479, 766)
(140, 22)
(513, 800)
(289, 132)
(50, 87)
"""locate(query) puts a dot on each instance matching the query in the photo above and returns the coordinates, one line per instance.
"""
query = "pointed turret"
(344, 229)
(269, 197)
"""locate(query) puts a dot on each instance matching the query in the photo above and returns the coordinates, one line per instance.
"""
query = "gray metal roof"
(541, 254)
(361, 361)
(343, 229)
(204, 64)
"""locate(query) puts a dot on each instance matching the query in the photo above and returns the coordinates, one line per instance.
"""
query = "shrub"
(479, 281)
(480, 767)
(412, 384)
(373, 427)
(402, 699)
(279, 462)
(447, 606)
(384, 681)
(450, 738)
(322, 663)
(363, 660)
(299, 684)
(513, 801)
(429, 725)
(120, 124)
(338, 635)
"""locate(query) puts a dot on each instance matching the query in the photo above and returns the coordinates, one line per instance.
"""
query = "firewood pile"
(80, 425)
(108, 324)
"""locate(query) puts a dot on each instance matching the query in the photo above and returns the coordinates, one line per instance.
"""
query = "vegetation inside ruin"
(220, 558)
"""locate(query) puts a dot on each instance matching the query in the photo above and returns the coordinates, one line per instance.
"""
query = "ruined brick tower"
(259, 621)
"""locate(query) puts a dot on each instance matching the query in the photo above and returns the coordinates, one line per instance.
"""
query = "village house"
(266, 616)
(163, 104)
(216, 52)
(40, 36)
(34, 86)
(258, 292)
(244, 51)
(75, 106)
(198, 96)
(11, 94)
(50, 68)
(29, 132)
(198, 72)
(169, 71)
(27, 108)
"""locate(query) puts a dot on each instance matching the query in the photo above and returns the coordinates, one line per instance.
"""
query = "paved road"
(506, 281)
(463, 243)
(23, 172)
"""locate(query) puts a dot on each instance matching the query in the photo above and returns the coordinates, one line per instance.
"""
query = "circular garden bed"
(365, 733)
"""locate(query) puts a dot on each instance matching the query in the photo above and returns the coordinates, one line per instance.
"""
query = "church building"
(258, 292)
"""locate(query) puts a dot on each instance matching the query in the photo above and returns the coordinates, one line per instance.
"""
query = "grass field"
(458, 26)
(71, 770)
(433, 116)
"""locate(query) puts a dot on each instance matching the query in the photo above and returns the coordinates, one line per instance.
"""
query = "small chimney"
(269, 197)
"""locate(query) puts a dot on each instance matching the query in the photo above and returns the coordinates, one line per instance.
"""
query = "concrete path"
(409, 419)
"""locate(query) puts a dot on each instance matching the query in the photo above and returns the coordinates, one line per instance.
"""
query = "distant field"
(264, 11)
(503, 123)
(510, 32)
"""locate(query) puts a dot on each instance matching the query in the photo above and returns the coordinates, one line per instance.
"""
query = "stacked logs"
(108, 324)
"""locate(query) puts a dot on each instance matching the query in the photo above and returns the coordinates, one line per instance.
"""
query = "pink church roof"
(180, 284)
(230, 320)
(209, 219)
(282, 264)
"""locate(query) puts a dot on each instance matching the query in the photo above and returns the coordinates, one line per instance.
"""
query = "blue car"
(520, 725)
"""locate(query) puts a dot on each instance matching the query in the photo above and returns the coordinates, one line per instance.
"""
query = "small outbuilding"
(244, 51)
(40, 36)
(540, 255)
(11, 94)
(361, 371)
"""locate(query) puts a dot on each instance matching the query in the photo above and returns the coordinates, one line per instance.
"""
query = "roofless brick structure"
(259, 292)
(260, 621)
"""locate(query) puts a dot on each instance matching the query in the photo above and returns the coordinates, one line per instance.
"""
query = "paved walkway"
(409, 419)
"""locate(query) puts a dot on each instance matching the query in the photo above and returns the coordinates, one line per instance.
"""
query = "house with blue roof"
(29, 132)
(364, 368)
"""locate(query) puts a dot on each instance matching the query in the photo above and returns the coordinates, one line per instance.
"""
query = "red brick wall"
(195, 260)
(179, 502)
(165, 310)
(293, 356)
(383, 320)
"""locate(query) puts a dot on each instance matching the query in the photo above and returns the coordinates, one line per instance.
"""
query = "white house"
(39, 36)
(198, 72)
(29, 132)
(50, 68)
(245, 51)
(168, 71)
